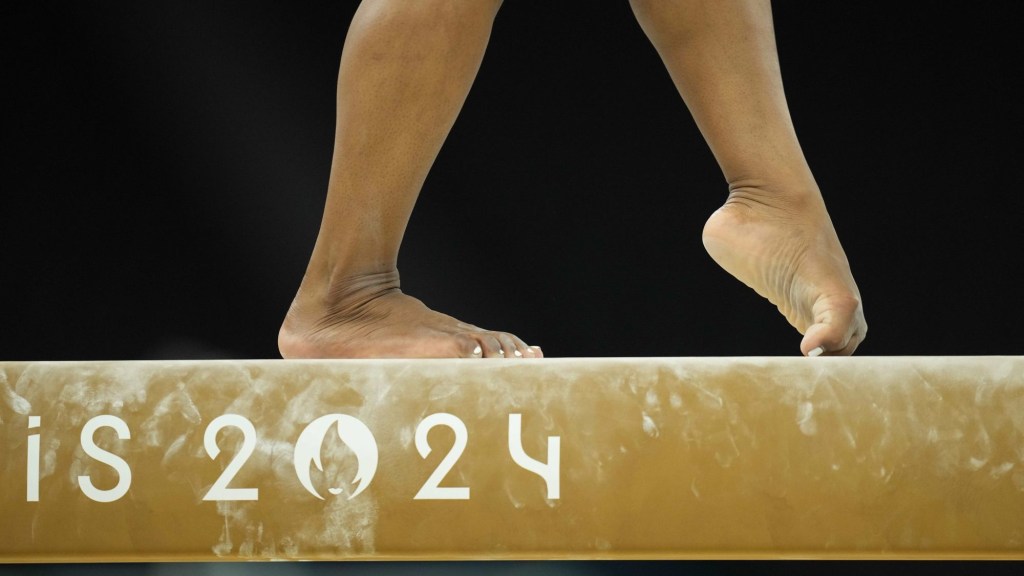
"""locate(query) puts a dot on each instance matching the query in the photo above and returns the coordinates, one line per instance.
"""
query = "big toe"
(838, 327)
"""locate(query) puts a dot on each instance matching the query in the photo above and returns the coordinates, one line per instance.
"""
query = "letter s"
(101, 455)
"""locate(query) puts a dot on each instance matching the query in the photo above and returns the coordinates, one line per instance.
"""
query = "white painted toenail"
(502, 352)
(816, 352)
(518, 353)
(478, 351)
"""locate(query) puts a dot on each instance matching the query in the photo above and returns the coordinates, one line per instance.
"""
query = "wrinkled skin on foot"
(786, 249)
(370, 317)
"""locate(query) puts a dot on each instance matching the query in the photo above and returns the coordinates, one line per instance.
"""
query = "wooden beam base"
(557, 458)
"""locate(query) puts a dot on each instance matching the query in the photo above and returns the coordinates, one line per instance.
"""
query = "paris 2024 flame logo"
(353, 433)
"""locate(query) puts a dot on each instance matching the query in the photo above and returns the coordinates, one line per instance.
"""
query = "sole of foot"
(787, 250)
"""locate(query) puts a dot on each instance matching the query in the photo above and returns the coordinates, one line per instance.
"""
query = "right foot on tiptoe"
(786, 249)
(370, 317)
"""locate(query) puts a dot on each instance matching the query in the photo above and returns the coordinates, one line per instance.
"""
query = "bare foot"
(785, 248)
(370, 317)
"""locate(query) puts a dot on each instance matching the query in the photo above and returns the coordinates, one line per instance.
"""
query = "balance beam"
(671, 458)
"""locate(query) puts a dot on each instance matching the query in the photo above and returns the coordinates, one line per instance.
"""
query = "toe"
(468, 347)
(490, 345)
(838, 328)
(826, 339)
(522, 349)
(510, 345)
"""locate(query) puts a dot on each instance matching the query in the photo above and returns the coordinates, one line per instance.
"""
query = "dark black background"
(165, 165)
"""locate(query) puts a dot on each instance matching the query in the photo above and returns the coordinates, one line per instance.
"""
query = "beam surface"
(866, 457)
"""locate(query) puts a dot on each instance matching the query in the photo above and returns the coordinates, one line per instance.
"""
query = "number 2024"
(307, 451)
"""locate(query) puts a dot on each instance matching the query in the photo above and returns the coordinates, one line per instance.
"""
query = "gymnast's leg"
(773, 233)
(405, 72)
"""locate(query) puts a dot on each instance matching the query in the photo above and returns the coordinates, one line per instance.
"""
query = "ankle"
(344, 289)
(338, 294)
(791, 196)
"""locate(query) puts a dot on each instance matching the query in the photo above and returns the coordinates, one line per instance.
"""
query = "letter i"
(32, 485)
